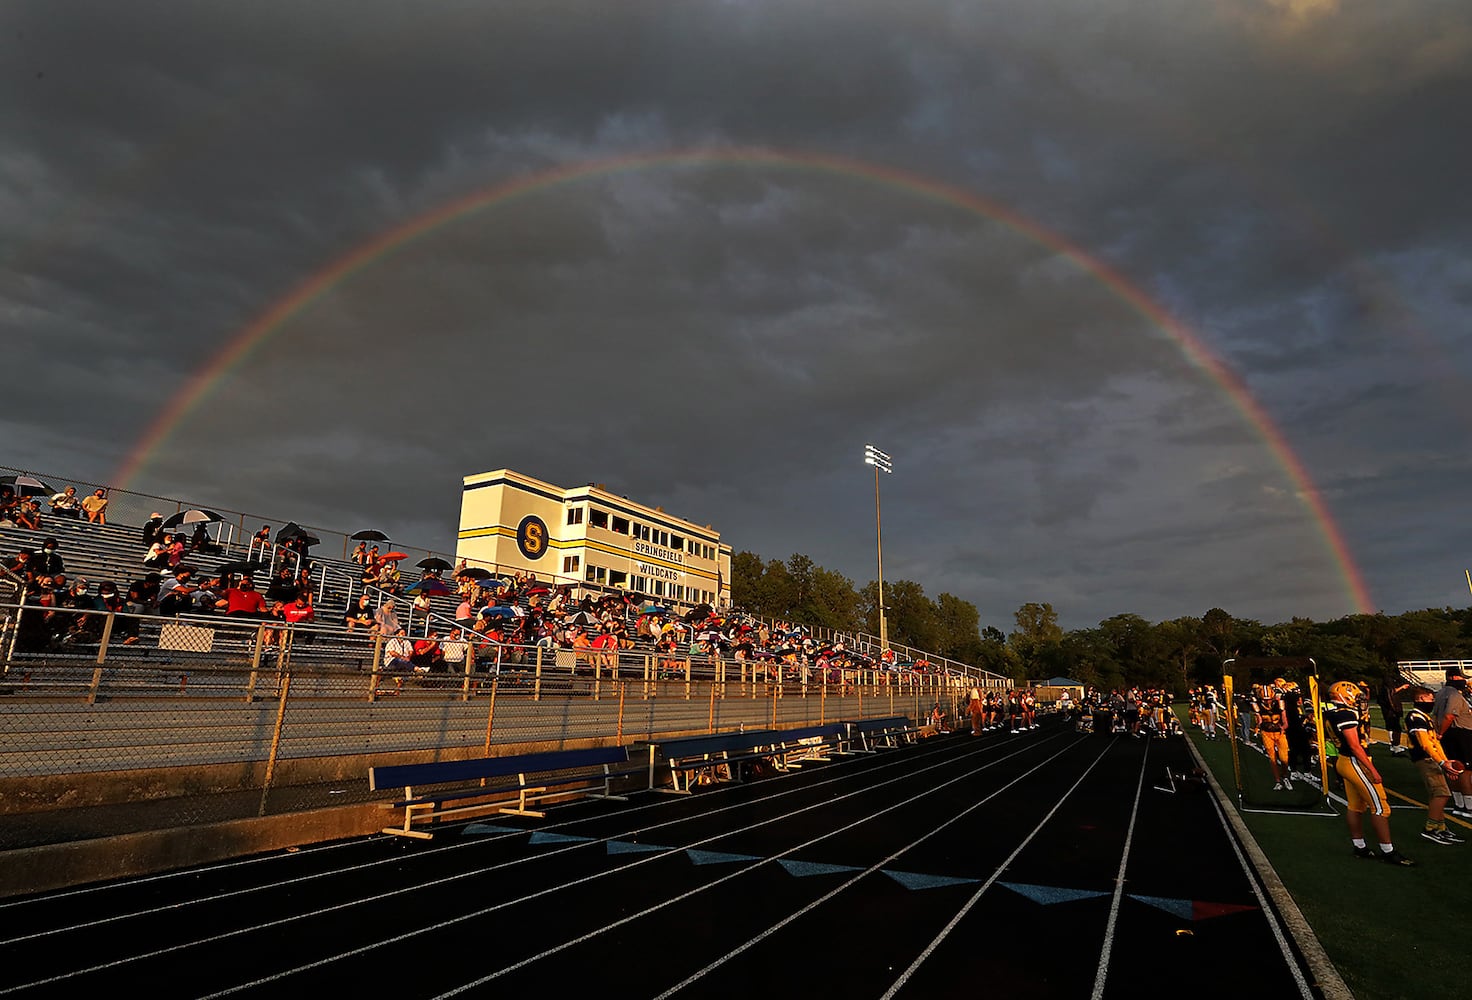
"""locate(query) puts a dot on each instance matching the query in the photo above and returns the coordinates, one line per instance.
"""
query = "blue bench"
(712, 756)
(537, 776)
(722, 756)
(867, 735)
(811, 744)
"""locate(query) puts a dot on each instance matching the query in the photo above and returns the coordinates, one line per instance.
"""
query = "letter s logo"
(531, 537)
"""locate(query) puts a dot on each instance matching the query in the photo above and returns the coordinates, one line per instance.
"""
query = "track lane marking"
(1102, 974)
(970, 904)
(423, 855)
(378, 897)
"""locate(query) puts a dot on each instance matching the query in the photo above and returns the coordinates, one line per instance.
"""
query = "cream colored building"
(589, 536)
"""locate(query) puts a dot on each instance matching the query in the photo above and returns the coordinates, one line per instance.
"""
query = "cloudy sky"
(1076, 265)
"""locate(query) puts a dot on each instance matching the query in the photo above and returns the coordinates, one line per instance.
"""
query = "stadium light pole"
(881, 462)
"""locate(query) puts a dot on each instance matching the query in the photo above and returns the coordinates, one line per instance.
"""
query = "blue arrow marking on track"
(917, 880)
(556, 838)
(802, 869)
(1050, 894)
(477, 828)
(629, 847)
(718, 857)
(1182, 908)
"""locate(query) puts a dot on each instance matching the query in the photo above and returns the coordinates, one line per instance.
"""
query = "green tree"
(958, 633)
(1183, 639)
(1036, 640)
(834, 602)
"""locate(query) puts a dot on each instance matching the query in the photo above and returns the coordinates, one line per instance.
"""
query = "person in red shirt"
(244, 601)
(428, 657)
(300, 611)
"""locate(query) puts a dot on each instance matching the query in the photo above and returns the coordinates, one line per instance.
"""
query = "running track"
(1043, 864)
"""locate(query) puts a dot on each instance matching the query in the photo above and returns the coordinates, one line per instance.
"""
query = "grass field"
(1392, 932)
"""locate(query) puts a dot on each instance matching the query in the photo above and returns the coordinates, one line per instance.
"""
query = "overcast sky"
(849, 222)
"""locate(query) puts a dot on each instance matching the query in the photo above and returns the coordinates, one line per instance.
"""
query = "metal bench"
(868, 735)
(537, 776)
(711, 757)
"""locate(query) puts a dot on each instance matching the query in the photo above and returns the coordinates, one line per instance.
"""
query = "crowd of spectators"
(72, 612)
(505, 621)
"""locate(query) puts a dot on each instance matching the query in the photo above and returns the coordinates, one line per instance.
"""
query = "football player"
(1271, 727)
(1362, 785)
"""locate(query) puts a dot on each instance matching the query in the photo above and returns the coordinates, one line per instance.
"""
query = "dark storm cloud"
(1282, 177)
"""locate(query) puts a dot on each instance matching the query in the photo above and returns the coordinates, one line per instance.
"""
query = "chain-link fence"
(225, 717)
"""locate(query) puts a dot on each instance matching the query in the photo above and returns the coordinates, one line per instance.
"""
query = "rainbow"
(243, 344)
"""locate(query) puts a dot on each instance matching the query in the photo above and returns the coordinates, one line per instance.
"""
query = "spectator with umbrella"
(28, 515)
(434, 566)
(201, 542)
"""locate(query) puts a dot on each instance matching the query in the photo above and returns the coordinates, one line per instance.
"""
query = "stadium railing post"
(491, 714)
(275, 742)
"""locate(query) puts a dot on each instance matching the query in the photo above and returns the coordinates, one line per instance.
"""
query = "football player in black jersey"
(1362, 785)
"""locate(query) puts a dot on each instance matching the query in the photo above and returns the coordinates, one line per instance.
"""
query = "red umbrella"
(394, 556)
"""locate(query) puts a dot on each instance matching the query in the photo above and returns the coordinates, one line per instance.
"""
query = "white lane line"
(433, 852)
(312, 851)
(659, 906)
(1103, 973)
(970, 904)
(322, 911)
(89, 890)
(1304, 990)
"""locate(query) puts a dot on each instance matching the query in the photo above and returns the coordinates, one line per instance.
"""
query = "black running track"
(1041, 864)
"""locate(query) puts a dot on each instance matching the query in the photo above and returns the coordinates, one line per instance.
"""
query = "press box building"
(587, 535)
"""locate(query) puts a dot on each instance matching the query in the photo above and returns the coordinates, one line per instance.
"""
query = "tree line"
(1121, 650)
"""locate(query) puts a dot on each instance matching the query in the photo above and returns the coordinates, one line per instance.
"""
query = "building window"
(617, 578)
(621, 525)
(677, 543)
(598, 518)
(570, 564)
(574, 515)
(596, 574)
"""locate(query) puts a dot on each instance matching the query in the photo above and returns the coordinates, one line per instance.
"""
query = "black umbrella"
(433, 562)
(292, 531)
(194, 515)
(698, 613)
(582, 618)
(369, 535)
(474, 573)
